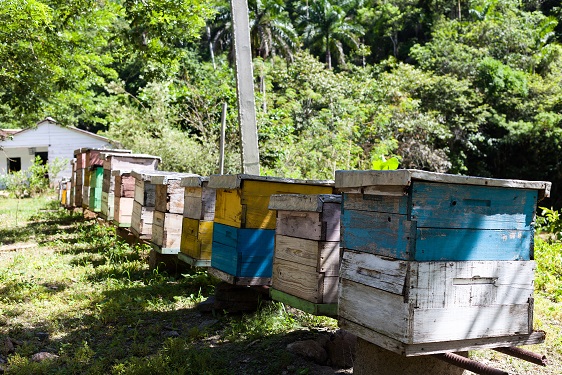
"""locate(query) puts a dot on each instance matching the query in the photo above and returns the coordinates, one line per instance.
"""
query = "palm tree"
(326, 26)
(271, 30)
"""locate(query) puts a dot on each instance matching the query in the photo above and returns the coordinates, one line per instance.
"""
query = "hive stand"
(307, 251)
(437, 263)
(197, 227)
(244, 227)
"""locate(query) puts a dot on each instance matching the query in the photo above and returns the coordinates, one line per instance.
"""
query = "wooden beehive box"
(124, 197)
(72, 184)
(435, 262)
(168, 212)
(79, 166)
(244, 227)
(307, 251)
(197, 226)
(143, 205)
(96, 182)
(112, 161)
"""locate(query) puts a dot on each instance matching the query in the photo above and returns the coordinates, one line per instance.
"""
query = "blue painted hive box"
(244, 226)
(426, 216)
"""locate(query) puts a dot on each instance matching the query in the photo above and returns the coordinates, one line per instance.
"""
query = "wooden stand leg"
(371, 359)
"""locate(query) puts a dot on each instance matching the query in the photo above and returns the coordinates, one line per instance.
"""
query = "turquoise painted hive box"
(426, 216)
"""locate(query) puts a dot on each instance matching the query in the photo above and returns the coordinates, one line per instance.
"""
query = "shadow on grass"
(143, 322)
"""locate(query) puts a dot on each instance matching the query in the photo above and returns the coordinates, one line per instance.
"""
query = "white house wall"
(18, 152)
(60, 142)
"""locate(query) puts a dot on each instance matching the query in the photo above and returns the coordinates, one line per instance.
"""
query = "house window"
(44, 156)
(14, 165)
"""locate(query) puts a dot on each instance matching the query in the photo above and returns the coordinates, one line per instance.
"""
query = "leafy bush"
(35, 180)
(550, 221)
(548, 278)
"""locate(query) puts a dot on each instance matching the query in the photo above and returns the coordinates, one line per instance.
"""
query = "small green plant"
(35, 180)
(550, 221)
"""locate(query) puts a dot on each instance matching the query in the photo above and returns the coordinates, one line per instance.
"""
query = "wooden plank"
(123, 211)
(380, 311)
(472, 244)
(437, 205)
(248, 281)
(389, 275)
(298, 280)
(161, 200)
(297, 250)
(141, 219)
(408, 324)
(145, 193)
(404, 177)
(228, 208)
(322, 256)
(235, 181)
(394, 236)
(199, 203)
(193, 261)
(396, 346)
(377, 203)
(194, 181)
(197, 238)
(319, 309)
(107, 205)
(462, 323)
(243, 252)
(306, 225)
(330, 289)
(302, 202)
(465, 284)
(166, 230)
(378, 233)
(132, 161)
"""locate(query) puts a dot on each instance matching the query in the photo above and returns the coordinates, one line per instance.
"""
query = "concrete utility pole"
(245, 87)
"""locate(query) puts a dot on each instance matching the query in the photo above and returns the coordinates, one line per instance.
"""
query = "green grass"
(89, 297)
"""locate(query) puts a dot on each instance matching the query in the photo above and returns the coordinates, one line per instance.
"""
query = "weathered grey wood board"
(399, 180)
(166, 231)
(199, 199)
(304, 282)
(429, 302)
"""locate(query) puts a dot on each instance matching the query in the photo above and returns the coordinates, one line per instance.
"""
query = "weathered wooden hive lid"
(112, 154)
(234, 181)
(147, 175)
(120, 172)
(107, 153)
(194, 181)
(302, 202)
(167, 178)
(399, 180)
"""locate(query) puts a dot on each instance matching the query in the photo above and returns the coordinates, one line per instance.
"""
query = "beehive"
(72, 195)
(168, 212)
(307, 254)
(113, 161)
(96, 181)
(124, 197)
(91, 161)
(244, 227)
(80, 165)
(435, 262)
(197, 227)
(143, 205)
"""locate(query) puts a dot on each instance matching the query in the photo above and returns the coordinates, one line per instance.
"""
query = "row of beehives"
(427, 262)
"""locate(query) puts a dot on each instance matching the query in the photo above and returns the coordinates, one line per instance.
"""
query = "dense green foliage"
(464, 86)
